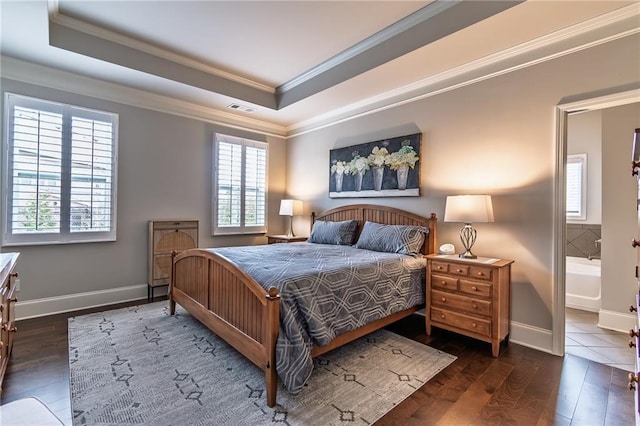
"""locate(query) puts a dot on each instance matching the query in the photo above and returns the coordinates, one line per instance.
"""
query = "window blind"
(576, 186)
(60, 170)
(239, 201)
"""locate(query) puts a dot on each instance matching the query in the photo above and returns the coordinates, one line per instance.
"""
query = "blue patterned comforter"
(327, 290)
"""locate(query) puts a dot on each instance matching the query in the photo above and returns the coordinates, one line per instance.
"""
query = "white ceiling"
(297, 63)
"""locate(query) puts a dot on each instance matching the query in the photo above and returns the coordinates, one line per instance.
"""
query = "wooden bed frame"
(236, 308)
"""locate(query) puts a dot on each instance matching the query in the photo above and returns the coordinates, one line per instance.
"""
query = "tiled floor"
(585, 339)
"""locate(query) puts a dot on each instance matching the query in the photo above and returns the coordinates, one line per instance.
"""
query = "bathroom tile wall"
(581, 240)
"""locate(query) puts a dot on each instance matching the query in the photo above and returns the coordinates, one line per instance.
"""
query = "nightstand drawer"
(474, 288)
(440, 267)
(460, 303)
(462, 270)
(480, 273)
(472, 324)
(444, 282)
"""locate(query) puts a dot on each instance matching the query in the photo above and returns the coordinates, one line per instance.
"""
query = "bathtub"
(582, 284)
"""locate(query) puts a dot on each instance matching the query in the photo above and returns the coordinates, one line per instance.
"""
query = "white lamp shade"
(290, 208)
(468, 208)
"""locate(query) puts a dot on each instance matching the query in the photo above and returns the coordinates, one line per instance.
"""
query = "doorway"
(560, 232)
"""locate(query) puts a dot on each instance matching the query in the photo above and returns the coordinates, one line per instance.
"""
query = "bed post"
(172, 303)
(272, 329)
(433, 234)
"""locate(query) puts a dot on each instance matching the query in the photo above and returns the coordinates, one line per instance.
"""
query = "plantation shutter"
(240, 186)
(229, 184)
(60, 173)
(255, 193)
(576, 186)
(91, 174)
(36, 165)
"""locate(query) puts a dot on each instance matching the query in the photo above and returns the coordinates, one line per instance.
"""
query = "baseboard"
(526, 335)
(532, 337)
(73, 302)
(616, 321)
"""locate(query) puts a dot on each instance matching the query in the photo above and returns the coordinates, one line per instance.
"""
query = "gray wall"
(164, 172)
(619, 212)
(584, 135)
(495, 137)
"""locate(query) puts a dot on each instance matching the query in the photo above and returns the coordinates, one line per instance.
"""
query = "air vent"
(239, 107)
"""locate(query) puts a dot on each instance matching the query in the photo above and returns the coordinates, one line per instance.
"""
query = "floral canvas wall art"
(384, 168)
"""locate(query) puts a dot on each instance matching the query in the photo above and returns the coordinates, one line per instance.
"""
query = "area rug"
(139, 365)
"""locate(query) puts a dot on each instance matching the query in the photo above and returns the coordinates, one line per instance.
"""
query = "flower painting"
(384, 168)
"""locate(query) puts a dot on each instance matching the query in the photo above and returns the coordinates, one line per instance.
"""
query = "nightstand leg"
(428, 328)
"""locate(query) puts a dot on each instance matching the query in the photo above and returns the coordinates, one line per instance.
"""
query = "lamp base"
(467, 255)
(290, 234)
(468, 238)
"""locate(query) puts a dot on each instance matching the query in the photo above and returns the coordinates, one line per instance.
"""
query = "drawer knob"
(481, 274)
(474, 288)
(444, 283)
(635, 243)
(633, 379)
(632, 344)
(444, 299)
(7, 328)
(474, 325)
(633, 308)
(633, 333)
(475, 306)
(443, 316)
(458, 270)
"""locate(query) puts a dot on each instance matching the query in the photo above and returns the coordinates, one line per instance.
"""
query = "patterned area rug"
(139, 365)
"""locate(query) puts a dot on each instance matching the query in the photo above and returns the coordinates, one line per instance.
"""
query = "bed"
(248, 310)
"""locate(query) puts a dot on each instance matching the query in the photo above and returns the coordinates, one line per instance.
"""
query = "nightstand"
(470, 297)
(273, 239)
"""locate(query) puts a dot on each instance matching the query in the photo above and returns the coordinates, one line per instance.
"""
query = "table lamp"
(290, 208)
(468, 209)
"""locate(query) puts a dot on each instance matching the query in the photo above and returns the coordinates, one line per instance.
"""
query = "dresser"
(7, 308)
(470, 297)
(275, 239)
(165, 236)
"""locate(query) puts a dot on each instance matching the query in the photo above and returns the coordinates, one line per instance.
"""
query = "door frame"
(559, 233)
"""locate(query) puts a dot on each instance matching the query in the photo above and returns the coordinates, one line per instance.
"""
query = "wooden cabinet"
(7, 308)
(470, 297)
(165, 236)
(274, 239)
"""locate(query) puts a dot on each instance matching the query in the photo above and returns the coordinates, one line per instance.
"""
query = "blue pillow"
(338, 233)
(403, 239)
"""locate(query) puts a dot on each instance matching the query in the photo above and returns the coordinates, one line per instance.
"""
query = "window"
(59, 173)
(239, 199)
(577, 186)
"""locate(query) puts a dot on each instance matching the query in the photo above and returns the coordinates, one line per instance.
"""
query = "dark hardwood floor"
(521, 387)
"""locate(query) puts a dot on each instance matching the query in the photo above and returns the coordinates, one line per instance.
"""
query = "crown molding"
(612, 26)
(27, 72)
(412, 32)
(381, 36)
(59, 18)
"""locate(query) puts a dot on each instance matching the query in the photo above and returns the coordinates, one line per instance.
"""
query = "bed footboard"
(231, 304)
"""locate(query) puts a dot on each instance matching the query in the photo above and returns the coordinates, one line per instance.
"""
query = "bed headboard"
(385, 215)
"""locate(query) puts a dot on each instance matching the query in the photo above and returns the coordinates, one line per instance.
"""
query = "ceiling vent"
(239, 107)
